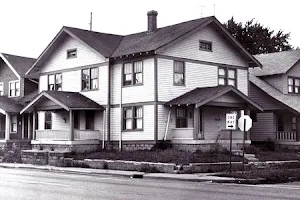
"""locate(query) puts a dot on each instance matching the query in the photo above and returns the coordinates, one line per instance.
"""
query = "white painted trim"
(2, 111)
(10, 66)
(1, 83)
(66, 142)
(14, 81)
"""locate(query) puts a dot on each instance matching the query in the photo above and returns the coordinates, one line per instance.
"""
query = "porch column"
(29, 126)
(33, 125)
(298, 128)
(196, 123)
(71, 116)
(7, 126)
(23, 127)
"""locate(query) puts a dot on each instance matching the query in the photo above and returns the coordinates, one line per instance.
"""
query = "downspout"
(121, 121)
(108, 102)
(103, 131)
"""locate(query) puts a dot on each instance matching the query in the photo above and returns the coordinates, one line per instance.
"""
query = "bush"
(162, 145)
(13, 156)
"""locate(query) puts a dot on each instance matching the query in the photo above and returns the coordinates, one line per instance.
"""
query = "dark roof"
(276, 63)
(291, 101)
(73, 99)
(102, 42)
(19, 63)
(10, 105)
(28, 98)
(201, 96)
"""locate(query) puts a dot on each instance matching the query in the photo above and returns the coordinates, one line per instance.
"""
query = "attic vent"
(205, 45)
(71, 53)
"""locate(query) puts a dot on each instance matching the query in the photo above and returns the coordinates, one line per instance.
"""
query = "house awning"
(53, 100)
(9, 105)
(218, 96)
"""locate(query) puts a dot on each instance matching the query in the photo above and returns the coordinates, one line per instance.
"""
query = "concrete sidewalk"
(199, 177)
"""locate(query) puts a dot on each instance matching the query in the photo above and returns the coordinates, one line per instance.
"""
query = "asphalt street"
(26, 184)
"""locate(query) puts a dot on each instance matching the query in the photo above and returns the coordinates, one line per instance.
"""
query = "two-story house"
(16, 90)
(276, 87)
(173, 83)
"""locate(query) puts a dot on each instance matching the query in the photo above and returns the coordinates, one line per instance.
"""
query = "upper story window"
(14, 88)
(179, 73)
(181, 117)
(205, 45)
(133, 118)
(1, 89)
(133, 73)
(71, 53)
(227, 76)
(293, 85)
(55, 82)
(90, 79)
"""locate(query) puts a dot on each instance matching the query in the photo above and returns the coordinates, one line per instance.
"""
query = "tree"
(258, 39)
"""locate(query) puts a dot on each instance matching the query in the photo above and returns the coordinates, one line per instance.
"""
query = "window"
(48, 120)
(280, 123)
(76, 119)
(133, 118)
(1, 89)
(294, 85)
(133, 73)
(205, 45)
(179, 73)
(227, 76)
(89, 120)
(181, 117)
(55, 82)
(14, 124)
(90, 79)
(294, 123)
(14, 88)
(71, 53)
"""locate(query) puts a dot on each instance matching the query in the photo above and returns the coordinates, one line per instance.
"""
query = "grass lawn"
(277, 155)
(163, 156)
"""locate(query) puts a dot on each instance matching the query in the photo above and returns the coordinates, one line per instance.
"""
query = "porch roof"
(9, 105)
(66, 100)
(202, 96)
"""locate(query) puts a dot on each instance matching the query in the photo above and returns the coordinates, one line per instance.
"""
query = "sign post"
(230, 125)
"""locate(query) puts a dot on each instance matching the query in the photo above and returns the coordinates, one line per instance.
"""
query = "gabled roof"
(67, 100)
(18, 64)
(9, 105)
(201, 96)
(291, 101)
(276, 63)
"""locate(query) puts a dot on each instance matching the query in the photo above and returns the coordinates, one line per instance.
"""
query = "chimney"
(152, 22)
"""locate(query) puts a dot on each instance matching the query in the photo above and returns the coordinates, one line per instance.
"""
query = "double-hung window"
(1, 89)
(293, 85)
(14, 88)
(90, 79)
(48, 120)
(55, 82)
(179, 75)
(133, 118)
(133, 73)
(181, 117)
(227, 76)
(14, 124)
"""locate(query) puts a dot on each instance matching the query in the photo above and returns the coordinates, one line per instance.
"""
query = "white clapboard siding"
(222, 51)
(116, 83)
(58, 60)
(264, 128)
(162, 119)
(60, 120)
(196, 75)
(71, 81)
(148, 126)
(41, 120)
(43, 83)
(242, 81)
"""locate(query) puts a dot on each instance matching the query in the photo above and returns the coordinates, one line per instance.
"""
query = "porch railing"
(87, 134)
(65, 134)
(183, 133)
(286, 136)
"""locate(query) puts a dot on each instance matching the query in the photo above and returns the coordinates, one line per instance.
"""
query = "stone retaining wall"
(44, 157)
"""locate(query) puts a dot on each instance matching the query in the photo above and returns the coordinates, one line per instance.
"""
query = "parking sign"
(230, 121)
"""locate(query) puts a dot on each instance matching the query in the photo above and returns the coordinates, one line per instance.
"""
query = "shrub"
(162, 145)
(13, 156)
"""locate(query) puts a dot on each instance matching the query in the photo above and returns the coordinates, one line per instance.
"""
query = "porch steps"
(249, 157)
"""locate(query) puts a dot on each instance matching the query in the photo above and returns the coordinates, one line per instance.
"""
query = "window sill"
(125, 86)
(90, 90)
(183, 85)
(206, 50)
(132, 130)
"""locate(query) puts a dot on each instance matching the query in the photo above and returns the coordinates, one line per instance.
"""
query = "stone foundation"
(15, 144)
(130, 145)
(44, 157)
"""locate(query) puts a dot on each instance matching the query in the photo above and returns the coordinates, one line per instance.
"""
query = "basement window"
(71, 53)
(205, 45)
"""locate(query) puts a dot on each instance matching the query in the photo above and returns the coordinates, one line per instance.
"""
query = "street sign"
(230, 121)
(245, 119)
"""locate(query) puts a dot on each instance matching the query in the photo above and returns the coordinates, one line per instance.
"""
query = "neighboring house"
(276, 87)
(174, 83)
(16, 90)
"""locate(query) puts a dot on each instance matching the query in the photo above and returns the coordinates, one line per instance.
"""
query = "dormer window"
(71, 53)
(294, 85)
(205, 45)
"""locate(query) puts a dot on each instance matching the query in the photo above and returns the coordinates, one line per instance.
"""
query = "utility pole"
(91, 21)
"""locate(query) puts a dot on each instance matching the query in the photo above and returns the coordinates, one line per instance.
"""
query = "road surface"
(22, 184)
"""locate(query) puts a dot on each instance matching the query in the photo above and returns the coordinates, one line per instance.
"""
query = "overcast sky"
(27, 27)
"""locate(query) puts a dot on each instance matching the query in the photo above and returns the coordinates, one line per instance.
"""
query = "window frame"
(294, 123)
(293, 85)
(55, 84)
(69, 53)
(15, 82)
(206, 43)
(12, 122)
(179, 124)
(174, 73)
(48, 123)
(90, 79)
(1, 91)
(133, 74)
(226, 77)
(133, 118)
